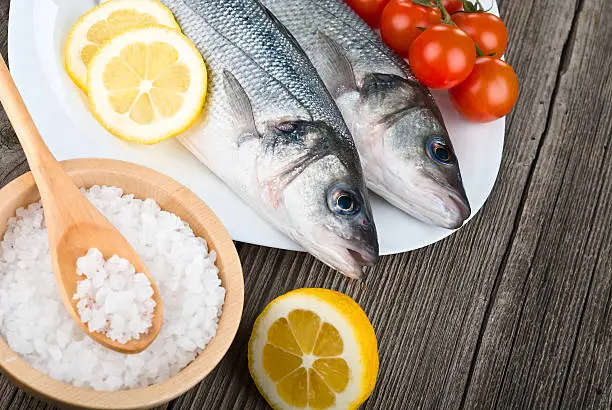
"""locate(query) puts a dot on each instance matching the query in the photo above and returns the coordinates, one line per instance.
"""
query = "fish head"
(325, 200)
(424, 172)
(417, 167)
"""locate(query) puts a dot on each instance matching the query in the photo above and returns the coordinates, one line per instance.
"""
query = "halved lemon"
(101, 23)
(313, 348)
(147, 84)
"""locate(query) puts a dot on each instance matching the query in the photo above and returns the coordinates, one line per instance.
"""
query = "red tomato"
(487, 30)
(489, 93)
(401, 23)
(452, 6)
(442, 57)
(368, 10)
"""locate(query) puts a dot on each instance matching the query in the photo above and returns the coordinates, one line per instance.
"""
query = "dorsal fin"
(281, 27)
(334, 67)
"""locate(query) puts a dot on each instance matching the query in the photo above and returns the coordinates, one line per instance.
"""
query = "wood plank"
(12, 161)
(11, 165)
(7, 392)
(588, 382)
(24, 401)
(548, 334)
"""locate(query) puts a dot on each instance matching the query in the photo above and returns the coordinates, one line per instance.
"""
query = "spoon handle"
(48, 173)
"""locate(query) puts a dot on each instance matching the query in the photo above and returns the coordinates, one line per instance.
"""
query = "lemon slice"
(147, 84)
(100, 24)
(313, 348)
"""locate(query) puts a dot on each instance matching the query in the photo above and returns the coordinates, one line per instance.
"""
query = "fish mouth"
(364, 258)
(460, 209)
(348, 261)
(348, 256)
(445, 207)
(356, 260)
(454, 209)
(352, 261)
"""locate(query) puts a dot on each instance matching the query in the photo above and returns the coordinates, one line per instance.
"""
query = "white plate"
(37, 31)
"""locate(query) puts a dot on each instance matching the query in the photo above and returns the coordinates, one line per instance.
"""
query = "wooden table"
(513, 311)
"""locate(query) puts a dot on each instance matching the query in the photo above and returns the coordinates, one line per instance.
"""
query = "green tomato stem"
(446, 17)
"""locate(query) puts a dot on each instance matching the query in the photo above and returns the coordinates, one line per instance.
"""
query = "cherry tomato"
(442, 57)
(489, 93)
(368, 10)
(487, 30)
(452, 6)
(403, 20)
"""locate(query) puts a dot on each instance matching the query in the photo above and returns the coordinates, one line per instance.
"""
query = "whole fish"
(405, 150)
(272, 132)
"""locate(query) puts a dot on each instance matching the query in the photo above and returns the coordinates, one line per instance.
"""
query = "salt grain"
(112, 288)
(179, 262)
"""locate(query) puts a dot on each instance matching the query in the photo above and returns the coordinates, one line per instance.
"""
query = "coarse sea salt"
(35, 323)
(113, 299)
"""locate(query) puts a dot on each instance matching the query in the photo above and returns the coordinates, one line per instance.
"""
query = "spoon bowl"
(73, 223)
(74, 243)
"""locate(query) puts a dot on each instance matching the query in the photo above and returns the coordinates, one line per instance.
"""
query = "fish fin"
(334, 66)
(281, 26)
(241, 106)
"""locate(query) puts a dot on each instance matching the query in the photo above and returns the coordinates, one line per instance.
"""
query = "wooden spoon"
(74, 225)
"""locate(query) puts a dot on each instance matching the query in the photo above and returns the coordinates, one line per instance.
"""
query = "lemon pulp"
(147, 85)
(116, 22)
(300, 354)
(101, 24)
(146, 79)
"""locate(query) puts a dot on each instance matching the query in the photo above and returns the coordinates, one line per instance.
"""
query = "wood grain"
(514, 311)
(12, 161)
(557, 264)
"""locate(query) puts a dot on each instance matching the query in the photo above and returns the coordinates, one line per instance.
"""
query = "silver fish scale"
(238, 36)
(334, 17)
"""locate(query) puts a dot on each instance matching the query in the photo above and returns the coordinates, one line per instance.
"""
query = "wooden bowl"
(173, 197)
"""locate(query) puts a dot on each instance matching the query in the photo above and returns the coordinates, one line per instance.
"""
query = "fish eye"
(344, 202)
(440, 152)
(287, 127)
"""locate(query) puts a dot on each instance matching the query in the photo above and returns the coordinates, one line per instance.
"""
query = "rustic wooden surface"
(513, 311)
